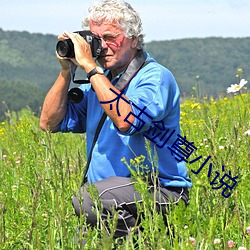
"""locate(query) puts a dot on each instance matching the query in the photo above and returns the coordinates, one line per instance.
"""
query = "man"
(146, 98)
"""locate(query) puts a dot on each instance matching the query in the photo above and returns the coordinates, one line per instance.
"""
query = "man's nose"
(104, 44)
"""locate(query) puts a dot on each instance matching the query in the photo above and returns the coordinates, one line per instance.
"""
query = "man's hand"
(66, 63)
(83, 54)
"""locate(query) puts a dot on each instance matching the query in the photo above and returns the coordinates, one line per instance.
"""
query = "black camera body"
(65, 48)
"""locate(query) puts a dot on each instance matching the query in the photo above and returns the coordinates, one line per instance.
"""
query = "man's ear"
(134, 42)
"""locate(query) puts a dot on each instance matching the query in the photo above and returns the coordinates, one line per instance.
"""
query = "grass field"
(40, 172)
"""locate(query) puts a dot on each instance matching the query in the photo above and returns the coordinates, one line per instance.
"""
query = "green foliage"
(208, 64)
(211, 59)
(28, 58)
(14, 95)
(40, 172)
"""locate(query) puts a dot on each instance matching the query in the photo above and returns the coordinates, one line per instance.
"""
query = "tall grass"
(40, 172)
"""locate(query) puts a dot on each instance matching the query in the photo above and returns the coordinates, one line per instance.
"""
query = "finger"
(70, 34)
(75, 37)
(59, 57)
(66, 33)
(69, 60)
(62, 36)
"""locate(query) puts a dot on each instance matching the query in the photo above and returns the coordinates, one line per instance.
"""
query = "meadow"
(40, 172)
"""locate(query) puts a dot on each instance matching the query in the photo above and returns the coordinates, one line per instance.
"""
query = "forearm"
(102, 88)
(55, 103)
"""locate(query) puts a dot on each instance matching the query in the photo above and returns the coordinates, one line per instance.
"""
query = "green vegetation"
(40, 172)
(28, 66)
(16, 95)
(209, 62)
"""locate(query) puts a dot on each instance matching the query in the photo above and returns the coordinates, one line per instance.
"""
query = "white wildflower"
(237, 87)
(192, 240)
(217, 241)
(22, 210)
(242, 248)
(247, 133)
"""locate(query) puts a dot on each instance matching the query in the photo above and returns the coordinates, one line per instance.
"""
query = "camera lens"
(75, 95)
(65, 48)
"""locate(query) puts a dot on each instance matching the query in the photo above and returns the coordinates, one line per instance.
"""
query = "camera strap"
(136, 64)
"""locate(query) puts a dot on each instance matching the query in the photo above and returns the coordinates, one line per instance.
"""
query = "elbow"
(45, 126)
(123, 126)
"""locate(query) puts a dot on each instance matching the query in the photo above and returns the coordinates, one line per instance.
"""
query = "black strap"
(97, 132)
(136, 64)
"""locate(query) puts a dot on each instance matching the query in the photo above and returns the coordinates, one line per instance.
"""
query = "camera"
(65, 48)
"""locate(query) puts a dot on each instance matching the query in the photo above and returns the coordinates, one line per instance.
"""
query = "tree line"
(204, 67)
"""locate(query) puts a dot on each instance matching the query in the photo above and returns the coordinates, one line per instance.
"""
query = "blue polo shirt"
(154, 97)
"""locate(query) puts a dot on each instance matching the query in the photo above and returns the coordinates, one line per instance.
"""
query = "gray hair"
(120, 13)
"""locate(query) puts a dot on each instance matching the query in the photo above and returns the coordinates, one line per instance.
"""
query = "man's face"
(118, 50)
